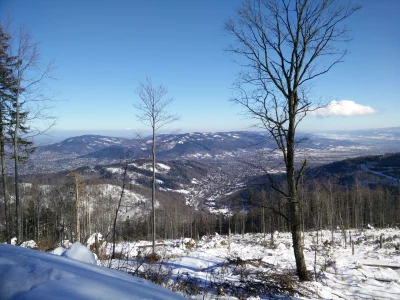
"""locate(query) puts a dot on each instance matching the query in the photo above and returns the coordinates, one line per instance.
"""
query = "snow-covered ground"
(371, 273)
(160, 168)
(30, 274)
(253, 267)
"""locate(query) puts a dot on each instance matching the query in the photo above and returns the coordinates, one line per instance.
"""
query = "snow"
(110, 140)
(162, 166)
(26, 184)
(29, 244)
(129, 200)
(182, 191)
(185, 192)
(92, 239)
(115, 170)
(371, 273)
(29, 274)
(198, 155)
(80, 252)
(224, 211)
(58, 251)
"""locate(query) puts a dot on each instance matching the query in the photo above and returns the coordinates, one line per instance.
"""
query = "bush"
(152, 257)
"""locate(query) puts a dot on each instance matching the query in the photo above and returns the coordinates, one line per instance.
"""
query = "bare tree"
(76, 182)
(282, 46)
(121, 196)
(152, 106)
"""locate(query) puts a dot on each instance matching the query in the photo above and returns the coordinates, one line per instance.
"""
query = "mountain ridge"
(89, 150)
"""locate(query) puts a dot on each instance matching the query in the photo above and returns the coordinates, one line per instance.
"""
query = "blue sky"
(103, 49)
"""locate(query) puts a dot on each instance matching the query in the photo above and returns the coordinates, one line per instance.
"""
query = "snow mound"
(58, 251)
(80, 252)
(29, 244)
(31, 275)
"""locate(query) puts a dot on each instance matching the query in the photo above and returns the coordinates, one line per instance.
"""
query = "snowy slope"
(30, 274)
(370, 273)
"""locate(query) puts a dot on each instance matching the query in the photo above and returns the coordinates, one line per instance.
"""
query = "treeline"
(70, 207)
(325, 205)
(49, 211)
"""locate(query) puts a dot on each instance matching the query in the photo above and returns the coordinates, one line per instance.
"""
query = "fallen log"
(382, 266)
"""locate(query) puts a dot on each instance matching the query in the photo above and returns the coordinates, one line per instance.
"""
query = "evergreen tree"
(7, 88)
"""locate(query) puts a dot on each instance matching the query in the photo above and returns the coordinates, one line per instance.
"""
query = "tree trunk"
(38, 221)
(78, 225)
(4, 178)
(294, 214)
(16, 174)
(153, 190)
(88, 216)
(117, 210)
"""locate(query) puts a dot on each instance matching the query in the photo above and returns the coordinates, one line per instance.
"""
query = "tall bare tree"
(121, 196)
(76, 183)
(282, 46)
(152, 106)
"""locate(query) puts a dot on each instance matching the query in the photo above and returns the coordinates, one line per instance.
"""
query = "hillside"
(368, 170)
(350, 193)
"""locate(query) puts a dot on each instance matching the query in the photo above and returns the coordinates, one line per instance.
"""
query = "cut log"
(382, 266)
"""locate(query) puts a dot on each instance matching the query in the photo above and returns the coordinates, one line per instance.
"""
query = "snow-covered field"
(255, 267)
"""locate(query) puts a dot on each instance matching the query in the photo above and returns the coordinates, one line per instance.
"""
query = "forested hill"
(370, 171)
(367, 170)
(347, 194)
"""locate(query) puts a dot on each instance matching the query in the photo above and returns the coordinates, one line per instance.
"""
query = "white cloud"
(344, 108)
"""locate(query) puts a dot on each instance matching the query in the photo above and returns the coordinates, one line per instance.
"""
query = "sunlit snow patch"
(29, 244)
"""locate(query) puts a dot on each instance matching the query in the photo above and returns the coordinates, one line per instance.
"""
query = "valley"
(206, 171)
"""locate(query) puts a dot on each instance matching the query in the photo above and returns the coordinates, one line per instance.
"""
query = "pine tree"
(7, 88)
(27, 88)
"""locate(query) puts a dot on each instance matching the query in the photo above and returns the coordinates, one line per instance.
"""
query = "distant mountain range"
(84, 144)
(89, 150)
(170, 145)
